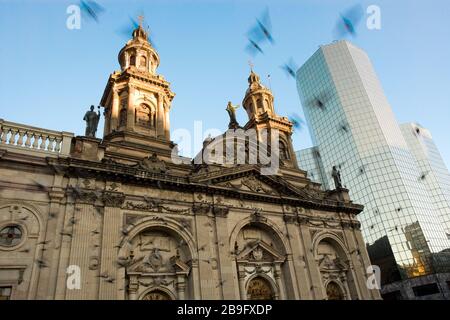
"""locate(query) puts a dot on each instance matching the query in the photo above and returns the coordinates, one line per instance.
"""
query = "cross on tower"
(250, 64)
(141, 19)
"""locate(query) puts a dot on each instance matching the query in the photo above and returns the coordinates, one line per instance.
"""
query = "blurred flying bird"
(319, 103)
(40, 186)
(361, 170)
(259, 33)
(91, 9)
(41, 263)
(63, 233)
(253, 48)
(297, 122)
(348, 21)
(423, 175)
(344, 127)
(262, 30)
(290, 68)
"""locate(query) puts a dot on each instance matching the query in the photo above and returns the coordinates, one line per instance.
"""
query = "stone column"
(181, 287)
(130, 109)
(279, 281)
(58, 196)
(49, 252)
(160, 116)
(375, 293)
(112, 223)
(298, 263)
(83, 222)
(317, 289)
(167, 122)
(357, 262)
(114, 120)
(229, 286)
(204, 239)
(65, 243)
(133, 288)
(242, 291)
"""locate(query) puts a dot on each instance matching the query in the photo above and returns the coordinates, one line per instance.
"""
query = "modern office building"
(353, 128)
(433, 172)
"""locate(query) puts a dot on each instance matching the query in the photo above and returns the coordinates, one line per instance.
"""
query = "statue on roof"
(231, 109)
(336, 174)
(91, 118)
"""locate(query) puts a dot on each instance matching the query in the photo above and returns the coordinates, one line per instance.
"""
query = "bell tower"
(259, 104)
(137, 101)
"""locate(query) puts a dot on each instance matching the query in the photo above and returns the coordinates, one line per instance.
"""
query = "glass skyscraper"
(353, 128)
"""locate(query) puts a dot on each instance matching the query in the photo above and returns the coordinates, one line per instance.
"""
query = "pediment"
(249, 179)
(249, 183)
(155, 263)
(327, 263)
(260, 251)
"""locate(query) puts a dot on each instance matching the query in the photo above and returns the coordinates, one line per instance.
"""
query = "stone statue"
(336, 174)
(153, 164)
(231, 109)
(91, 119)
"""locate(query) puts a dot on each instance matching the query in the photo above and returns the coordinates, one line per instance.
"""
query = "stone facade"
(119, 213)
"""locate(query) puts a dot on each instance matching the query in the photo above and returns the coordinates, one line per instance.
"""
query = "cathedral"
(125, 218)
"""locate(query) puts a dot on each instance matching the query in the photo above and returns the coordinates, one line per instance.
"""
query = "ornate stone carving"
(290, 219)
(255, 185)
(257, 216)
(257, 254)
(303, 220)
(201, 208)
(154, 260)
(186, 223)
(84, 196)
(221, 211)
(113, 199)
(154, 206)
(153, 164)
(93, 263)
(155, 282)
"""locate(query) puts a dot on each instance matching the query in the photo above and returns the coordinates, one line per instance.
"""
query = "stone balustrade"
(20, 137)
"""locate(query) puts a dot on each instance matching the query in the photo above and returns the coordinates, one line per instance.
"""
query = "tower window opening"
(284, 153)
(133, 60)
(143, 61)
(260, 106)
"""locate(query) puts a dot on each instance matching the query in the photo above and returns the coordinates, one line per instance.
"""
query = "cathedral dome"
(140, 33)
(138, 53)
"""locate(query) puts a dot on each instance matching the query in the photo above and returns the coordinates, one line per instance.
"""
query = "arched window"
(267, 104)
(284, 153)
(143, 61)
(157, 295)
(123, 117)
(145, 116)
(259, 289)
(334, 291)
(133, 60)
(260, 106)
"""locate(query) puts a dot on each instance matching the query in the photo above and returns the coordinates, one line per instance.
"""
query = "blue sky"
(52, 74)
